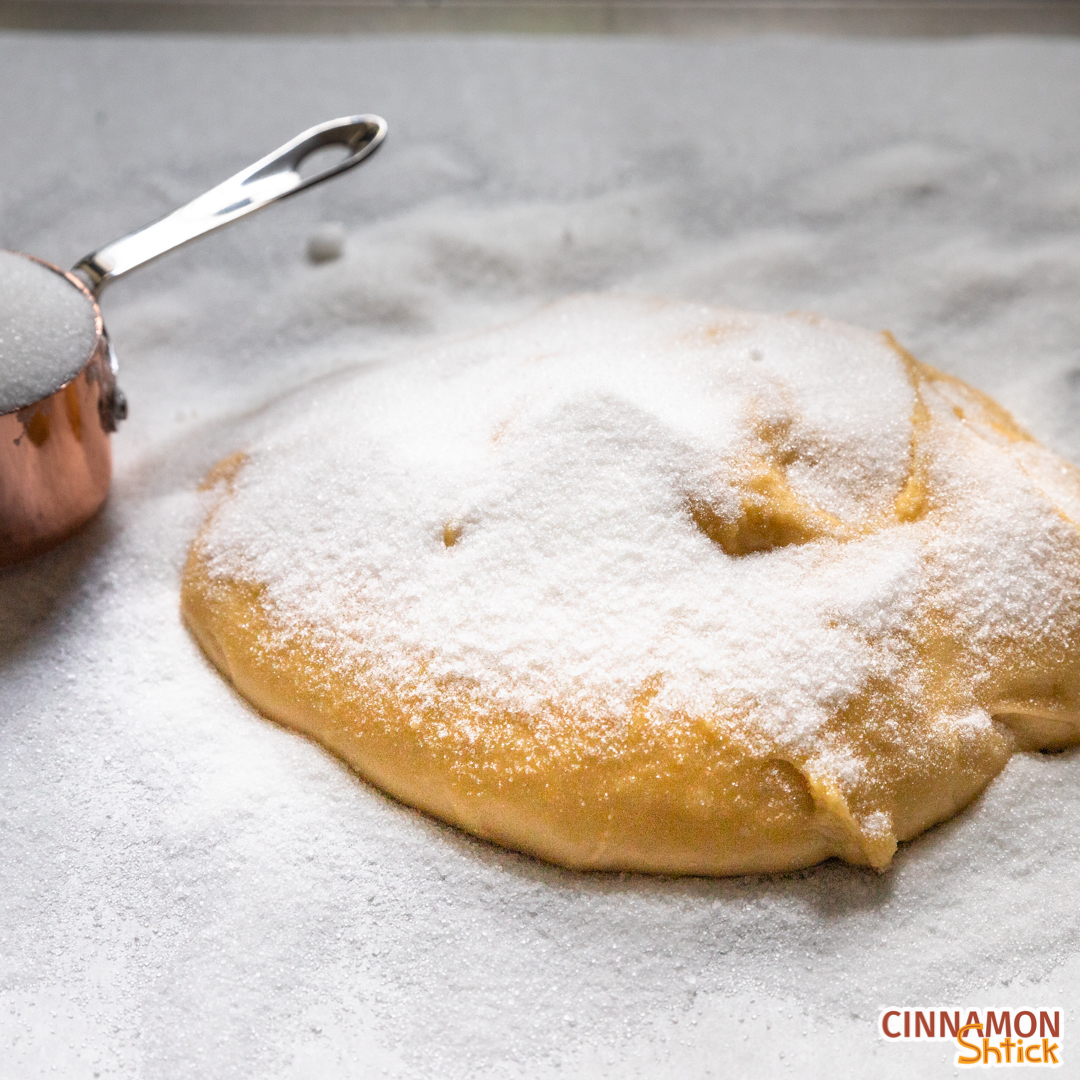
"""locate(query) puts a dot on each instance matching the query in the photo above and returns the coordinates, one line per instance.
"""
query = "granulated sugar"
(512, 511)
(190, 891)
(516, 513)
(47, 331)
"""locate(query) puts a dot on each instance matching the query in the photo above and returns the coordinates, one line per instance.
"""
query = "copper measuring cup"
(55, 458)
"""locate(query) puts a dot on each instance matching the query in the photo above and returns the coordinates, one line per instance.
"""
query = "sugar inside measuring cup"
(59, 401)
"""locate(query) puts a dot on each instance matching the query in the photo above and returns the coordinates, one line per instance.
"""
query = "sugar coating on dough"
(641, 585)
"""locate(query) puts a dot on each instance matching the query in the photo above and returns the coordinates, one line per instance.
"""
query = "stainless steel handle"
(273, 177)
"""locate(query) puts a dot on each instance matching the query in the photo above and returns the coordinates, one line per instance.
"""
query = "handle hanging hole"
(322, 158)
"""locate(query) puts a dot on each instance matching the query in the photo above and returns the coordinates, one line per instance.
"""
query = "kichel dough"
(639, 585)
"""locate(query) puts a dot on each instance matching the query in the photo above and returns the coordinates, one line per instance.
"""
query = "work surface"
(187, 890)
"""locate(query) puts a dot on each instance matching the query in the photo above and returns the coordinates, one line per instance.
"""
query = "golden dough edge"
(665, 841)
(809, 822)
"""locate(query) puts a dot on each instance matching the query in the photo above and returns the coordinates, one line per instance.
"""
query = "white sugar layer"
(47, 331)
(512, 511)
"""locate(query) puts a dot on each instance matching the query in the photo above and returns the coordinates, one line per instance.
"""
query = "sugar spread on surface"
(190, 891)
(47, 331)
(560, 510)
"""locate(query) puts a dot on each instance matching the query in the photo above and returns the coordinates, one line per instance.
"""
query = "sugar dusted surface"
(47, 331)
(188, 891)
(558, 455)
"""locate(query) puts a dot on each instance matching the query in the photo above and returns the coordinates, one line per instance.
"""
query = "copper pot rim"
(99, 327)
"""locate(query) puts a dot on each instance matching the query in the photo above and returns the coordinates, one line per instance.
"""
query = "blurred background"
(683, 17)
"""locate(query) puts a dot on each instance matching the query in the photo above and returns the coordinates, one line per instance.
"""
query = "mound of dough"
(639, 585)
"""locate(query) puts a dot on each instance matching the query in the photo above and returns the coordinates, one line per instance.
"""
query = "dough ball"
(637, 585)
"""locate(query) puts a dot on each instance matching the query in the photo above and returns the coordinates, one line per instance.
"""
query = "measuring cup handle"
(273, 177)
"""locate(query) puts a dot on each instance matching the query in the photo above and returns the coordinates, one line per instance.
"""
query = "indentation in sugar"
(47, 331)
